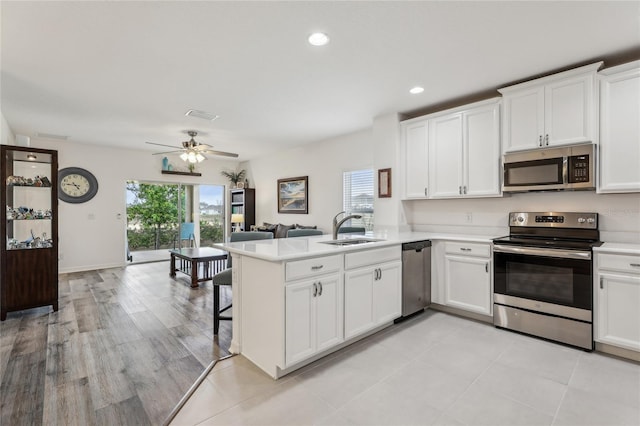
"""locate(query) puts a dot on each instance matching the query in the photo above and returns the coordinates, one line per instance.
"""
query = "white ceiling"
(122, 73)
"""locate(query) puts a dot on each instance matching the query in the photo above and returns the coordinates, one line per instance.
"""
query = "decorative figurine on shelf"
(165, 163)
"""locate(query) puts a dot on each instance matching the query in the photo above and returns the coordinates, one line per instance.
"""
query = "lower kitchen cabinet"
(373, 293)
(314, 316)
(617, 300)
(467, 277)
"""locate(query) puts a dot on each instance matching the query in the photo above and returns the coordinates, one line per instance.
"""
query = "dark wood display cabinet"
(243, 201)
(29, 248)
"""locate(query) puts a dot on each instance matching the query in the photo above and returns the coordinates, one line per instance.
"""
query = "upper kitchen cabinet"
(415, 158)
(464, 151)
(620, 129)
(555, 110)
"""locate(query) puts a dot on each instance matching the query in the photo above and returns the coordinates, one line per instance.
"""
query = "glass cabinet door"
(29, 200)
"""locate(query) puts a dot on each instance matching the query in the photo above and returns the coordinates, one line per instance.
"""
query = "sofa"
(278, 229)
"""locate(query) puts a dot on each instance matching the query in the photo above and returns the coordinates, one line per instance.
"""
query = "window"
(357, 197)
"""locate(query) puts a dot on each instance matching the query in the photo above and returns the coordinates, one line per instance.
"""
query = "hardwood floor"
(125, 345)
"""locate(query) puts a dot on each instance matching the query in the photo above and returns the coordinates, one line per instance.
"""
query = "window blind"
(357, 196)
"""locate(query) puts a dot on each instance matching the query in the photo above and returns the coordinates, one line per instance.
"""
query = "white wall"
(6, 135)
(92, 234)
(324, 162)
(619, 214)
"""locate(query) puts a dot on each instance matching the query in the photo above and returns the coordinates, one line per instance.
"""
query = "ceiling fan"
(193, 151)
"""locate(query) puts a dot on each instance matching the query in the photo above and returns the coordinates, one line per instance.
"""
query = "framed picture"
(293, 195)
(384, 183)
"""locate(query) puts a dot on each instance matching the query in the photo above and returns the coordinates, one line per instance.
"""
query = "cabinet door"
(358, 302)
(618, 310)
(387, 293)
(523, 119)
(416, 160)
(300, 322)
(468, 283)
(445, 156)
(620, 132)
(569, 111)
(329, 309)
(482, 151)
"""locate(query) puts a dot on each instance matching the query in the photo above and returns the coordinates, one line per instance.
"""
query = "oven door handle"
(538, 251)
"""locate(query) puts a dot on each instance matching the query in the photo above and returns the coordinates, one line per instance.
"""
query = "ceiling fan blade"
(161, 144)
(168, 152)
(202, 147)
(221, 153)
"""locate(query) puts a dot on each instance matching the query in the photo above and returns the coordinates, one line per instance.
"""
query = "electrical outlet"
(469, 217)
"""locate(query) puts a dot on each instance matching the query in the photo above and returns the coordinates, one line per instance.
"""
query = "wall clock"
(76, 185)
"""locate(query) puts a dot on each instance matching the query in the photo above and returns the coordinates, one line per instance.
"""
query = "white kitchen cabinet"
(372, 293)
(467, 277)
(620, 129)
(313, 316)
(617, 300)
(558, 109)
(464, 152)
(415, 158)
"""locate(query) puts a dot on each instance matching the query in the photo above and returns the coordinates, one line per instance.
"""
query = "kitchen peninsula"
(296, 300)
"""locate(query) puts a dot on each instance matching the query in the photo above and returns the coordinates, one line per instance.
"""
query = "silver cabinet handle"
(320, 285)
(546, 139)
(317, 268)
(460, 190)
(379, 273)
(464, 189)
(315, 289)
(601, 283)
(425, 191)
(486, 267)
(465, 249)
(637, 265)
(375, 274)
(540, 141)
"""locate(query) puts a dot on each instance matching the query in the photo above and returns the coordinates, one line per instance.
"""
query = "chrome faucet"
(337, 225)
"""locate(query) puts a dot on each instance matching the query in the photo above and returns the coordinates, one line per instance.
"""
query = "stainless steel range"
(543, 274)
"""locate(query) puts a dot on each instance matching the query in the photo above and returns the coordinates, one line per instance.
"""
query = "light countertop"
(619, 248)
(280, 249)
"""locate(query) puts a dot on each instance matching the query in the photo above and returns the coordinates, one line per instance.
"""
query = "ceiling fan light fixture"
(200, 158)
(184, 156)
(191, 157)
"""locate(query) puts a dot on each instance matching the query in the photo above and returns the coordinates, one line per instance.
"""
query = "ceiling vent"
(52, 136)
(202, 114)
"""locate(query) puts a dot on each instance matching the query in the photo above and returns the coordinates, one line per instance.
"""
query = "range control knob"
(581, 220)
(520, 219)
(591, 220)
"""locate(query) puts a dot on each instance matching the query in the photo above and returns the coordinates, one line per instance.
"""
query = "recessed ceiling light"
(416, 90)
(202, 114)
(318, 39)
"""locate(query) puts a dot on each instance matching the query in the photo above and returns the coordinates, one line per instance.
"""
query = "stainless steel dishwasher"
(416, 276)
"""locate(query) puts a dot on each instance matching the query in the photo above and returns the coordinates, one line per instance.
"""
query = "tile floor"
(435, 369)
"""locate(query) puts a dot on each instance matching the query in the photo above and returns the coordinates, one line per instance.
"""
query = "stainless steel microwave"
(550, 169)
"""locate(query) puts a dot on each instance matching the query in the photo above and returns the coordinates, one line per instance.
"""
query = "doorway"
(164, 216)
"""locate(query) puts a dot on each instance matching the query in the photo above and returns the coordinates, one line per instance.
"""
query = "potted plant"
(234, 177)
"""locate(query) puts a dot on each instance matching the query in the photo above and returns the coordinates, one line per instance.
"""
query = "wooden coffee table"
(201, 264)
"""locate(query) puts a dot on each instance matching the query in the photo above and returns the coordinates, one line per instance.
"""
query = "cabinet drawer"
(622, 263)
(311, 267)
(371, 257)
(468, 249)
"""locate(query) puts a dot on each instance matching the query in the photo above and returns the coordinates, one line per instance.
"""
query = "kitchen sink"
(349, 241)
